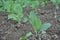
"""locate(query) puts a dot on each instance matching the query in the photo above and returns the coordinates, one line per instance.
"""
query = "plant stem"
(36, 35)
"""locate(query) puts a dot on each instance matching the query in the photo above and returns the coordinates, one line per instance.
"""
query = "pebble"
(46, 37)
(55, 37)
(42, 13)
(58, 20)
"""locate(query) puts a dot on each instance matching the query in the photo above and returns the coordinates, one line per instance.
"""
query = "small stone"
(46, 37)
(4, 38)
(55, 37)
(42, 13)
(58, 20)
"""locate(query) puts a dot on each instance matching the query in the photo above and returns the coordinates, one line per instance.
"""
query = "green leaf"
(32, 17)
(43, 32)
(12, 16)
(35, 4)
(25, 20)
(7, 5)
(28, 35)
(36, 23)
(45, 26)
(26, 3)
(18, 10)
(1, 9)
(22, 38)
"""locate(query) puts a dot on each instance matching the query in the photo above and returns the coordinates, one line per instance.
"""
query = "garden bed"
(9, 30)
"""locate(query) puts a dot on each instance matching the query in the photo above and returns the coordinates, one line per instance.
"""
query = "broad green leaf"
(7, 5)
(32, 17)
(12, 16)
(43, 32)
(28, 35)
(35, 4)
(45, 26)
(26, 3)
(36, 23)
(19, 17)
(18, 10)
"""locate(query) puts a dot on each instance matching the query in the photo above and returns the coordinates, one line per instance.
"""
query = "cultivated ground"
(9, 30)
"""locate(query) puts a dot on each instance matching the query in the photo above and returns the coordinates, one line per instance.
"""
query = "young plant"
(26, 36)
(37, 25)
(19, 14)
(15, 6)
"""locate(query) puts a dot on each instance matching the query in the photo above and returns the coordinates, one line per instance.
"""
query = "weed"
(26, 36)
(37, 25)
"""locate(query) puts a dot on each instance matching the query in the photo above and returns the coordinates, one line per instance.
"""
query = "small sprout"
(43, 32)
(26, 36)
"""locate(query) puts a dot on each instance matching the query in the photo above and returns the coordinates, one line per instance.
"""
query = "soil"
(9, 30)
